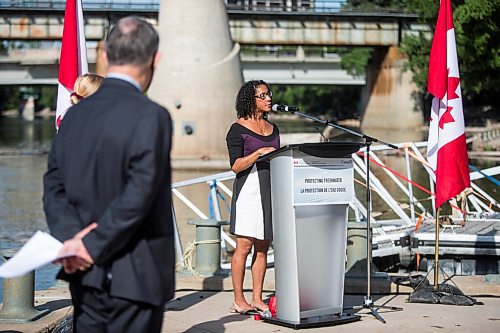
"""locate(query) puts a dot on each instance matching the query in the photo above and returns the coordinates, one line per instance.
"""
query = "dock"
(469, 254)
(468, 249)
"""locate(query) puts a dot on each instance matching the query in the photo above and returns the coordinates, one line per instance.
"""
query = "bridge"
(271, 22)
(266, 25)
(257, 24)
(41, 66)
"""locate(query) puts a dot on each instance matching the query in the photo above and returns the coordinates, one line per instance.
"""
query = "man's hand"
(79, 258)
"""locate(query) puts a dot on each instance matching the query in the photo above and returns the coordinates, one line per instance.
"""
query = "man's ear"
(104, 61)
(156, 59)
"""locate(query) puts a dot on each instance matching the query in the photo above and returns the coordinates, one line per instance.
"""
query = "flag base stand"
(444, 293)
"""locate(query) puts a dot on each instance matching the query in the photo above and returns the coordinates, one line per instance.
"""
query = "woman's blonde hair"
(85, 85)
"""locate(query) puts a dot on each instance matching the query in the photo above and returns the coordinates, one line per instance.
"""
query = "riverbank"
(202, 305)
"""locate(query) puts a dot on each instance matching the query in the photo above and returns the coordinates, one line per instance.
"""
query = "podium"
(312, 185)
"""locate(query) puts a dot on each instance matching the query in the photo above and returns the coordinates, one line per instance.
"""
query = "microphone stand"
(368, 140)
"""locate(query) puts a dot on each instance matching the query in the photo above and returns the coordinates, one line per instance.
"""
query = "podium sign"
(318, 180)
(311, 188)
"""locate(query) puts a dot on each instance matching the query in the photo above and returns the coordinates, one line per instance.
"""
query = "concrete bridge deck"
(41, 66)
(279, 23)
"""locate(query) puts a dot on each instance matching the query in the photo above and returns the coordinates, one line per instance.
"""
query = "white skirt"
(249, 214)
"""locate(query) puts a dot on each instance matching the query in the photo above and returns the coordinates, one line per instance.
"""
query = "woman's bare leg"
(259, 265)
(243, 248)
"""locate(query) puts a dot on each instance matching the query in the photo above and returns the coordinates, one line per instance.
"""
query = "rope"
(364, 185)
(187, 257)
(419, 222)
(408, 180)
(399, 175)
(401, 205)
(418, 158)
(491, 203)
(495, 181)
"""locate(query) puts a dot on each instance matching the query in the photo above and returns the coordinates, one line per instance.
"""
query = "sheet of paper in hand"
(39, 250)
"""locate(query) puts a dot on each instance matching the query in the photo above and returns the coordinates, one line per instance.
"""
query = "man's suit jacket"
(110, 163)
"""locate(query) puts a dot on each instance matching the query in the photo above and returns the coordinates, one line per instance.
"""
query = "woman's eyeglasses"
(264, 95)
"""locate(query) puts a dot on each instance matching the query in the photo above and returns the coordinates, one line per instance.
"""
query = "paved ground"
(201, 312)
(196, 310)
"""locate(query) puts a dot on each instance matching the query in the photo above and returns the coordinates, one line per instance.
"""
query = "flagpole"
(447, 147)
(436, 252)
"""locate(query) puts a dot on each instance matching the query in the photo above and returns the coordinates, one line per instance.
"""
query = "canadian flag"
(446, 148)
(73, 60)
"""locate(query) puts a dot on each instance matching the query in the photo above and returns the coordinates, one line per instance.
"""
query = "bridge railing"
(87, 4)
(313, 6)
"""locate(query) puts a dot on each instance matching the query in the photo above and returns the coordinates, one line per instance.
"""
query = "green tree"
(355, 60)
(10, 98)
(332, 102)
(478, 48)
(48, 96)
(478, 42)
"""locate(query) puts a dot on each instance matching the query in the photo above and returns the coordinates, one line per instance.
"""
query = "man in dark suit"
(107, 193)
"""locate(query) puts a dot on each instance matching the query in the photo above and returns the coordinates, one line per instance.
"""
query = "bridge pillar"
(198, 77)
(389, 98)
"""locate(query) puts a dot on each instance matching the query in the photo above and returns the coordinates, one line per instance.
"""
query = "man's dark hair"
(245, 100)
(131, 41)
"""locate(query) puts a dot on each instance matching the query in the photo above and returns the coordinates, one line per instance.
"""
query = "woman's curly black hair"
(245, 100)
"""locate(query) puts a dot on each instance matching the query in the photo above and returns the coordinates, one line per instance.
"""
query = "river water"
(23, 161)
(23, 158)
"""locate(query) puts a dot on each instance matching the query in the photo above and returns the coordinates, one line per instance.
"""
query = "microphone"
(284, 108)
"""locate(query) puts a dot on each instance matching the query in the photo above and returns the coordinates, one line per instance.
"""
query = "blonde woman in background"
(85, 85)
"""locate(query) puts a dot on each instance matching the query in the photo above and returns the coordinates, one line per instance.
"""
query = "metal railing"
(304, 6)
(87, 4)
(406, 212)
(283, 9)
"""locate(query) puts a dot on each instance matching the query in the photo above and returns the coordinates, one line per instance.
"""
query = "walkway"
(200, 311)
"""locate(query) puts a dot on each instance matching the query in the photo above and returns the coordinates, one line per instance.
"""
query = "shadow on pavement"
(55, 305)
(215, 325)
(187, 301)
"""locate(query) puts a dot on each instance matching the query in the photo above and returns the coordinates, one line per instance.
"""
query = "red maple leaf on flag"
(453, 83)
(446, 117)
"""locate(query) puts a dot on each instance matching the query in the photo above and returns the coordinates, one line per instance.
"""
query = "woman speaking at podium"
(250, 137)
